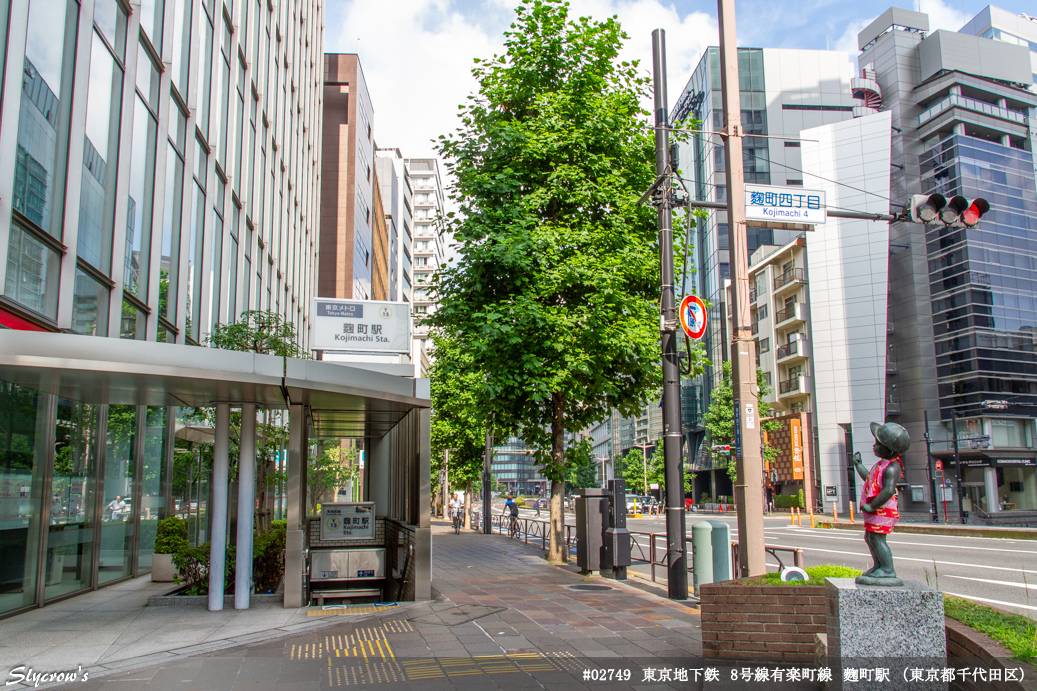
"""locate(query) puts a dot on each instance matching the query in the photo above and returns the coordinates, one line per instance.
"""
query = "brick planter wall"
(761, 622)
(976, 649)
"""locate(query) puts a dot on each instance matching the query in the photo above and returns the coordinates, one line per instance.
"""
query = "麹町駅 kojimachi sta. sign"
(355, 325)
(785, 204)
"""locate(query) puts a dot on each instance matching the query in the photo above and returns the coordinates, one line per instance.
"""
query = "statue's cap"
(892, 436)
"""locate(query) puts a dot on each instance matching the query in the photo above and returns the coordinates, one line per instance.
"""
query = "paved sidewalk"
(502, 618)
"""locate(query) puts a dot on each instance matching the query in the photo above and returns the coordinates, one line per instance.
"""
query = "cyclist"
(511, 508)
(456, 509)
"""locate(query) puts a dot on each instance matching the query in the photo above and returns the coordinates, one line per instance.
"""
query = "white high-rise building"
(428, 245)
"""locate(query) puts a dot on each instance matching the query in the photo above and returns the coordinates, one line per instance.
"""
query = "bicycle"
(457, 521)
(513, 527)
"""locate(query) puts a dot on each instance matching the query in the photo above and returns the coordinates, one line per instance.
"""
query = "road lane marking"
(1014, 584)
(830, 531)
(993, 602)
(923, 561)
(918, 544)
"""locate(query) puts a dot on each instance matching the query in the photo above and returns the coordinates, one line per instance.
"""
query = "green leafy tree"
(720, 417)
(459, 420)
(258, 331)
(332, 468)
(556, 288)
(580, 467)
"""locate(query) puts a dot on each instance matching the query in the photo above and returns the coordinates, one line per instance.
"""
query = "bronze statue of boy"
(879, 500)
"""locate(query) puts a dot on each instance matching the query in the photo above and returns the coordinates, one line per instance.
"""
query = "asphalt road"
(999, 572)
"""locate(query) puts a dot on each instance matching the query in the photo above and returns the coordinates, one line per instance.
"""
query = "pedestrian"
(117, 506)
(536, 505)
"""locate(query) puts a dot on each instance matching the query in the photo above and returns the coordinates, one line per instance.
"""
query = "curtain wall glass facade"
(158, 164)
(159, 168)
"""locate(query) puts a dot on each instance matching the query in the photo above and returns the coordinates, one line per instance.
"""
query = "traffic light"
(956, 211)
(925, 207)
(723, 449)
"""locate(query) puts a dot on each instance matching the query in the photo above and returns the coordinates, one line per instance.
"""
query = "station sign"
(777, 204)
(355, 325)
(347, 521)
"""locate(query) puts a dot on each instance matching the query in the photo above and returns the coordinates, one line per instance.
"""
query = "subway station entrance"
(88, 468)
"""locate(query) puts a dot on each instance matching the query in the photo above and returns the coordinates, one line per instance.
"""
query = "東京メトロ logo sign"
(693, 316)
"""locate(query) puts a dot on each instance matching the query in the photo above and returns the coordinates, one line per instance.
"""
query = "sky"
(417, 54)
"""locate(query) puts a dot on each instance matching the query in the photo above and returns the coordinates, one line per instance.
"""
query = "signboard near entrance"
(368, 326)
(771, 203)
(795, 432)
(347, 521)
(831, 491)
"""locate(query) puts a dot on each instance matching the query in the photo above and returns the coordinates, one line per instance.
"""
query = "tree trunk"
(468, 505)
(559, 551)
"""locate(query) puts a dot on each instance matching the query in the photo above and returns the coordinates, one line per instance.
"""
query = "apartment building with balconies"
(428, 244)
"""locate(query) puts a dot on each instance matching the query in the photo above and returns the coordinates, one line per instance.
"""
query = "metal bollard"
(711, 552)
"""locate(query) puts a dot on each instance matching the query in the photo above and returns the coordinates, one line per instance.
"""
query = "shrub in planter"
(192, 565)
(170, 537)
(788, 501)
(268, 558)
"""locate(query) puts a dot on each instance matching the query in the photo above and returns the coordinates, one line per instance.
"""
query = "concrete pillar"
(378, 474)
(959, 128)
(990, 480)
(295, 539)
(218, 541)
(246, 506)
(423, 532)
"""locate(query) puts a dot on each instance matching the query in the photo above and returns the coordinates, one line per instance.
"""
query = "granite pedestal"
(884, 628)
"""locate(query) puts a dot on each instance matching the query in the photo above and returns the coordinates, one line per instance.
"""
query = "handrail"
(797, 556)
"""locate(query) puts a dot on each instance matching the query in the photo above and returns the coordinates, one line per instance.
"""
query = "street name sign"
(776, 204)
(355, 325)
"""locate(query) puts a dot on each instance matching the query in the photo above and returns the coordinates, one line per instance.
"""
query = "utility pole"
(749, 485)
(676, 554)
(929, 466)
(957, 466)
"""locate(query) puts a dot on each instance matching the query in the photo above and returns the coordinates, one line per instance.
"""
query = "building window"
(762, 312)
(139, 201)
(765, 345)
(89, 306)
(32, 272)
(43, 117)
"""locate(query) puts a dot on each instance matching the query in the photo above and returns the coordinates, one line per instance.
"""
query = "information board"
(347, 521)
(354, 325)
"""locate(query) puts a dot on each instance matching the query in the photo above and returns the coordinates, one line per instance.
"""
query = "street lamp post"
(644, 459)
(957, 466)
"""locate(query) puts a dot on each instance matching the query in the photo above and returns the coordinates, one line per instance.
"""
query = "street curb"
(958, 531)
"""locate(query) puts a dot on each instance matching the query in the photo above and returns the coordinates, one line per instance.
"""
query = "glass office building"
(159, 164)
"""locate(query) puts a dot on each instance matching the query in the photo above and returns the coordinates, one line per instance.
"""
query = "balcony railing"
(756, 328)
(971, 104)
(790, 276)
(789, 385)
(796, 347)
(752, 295)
